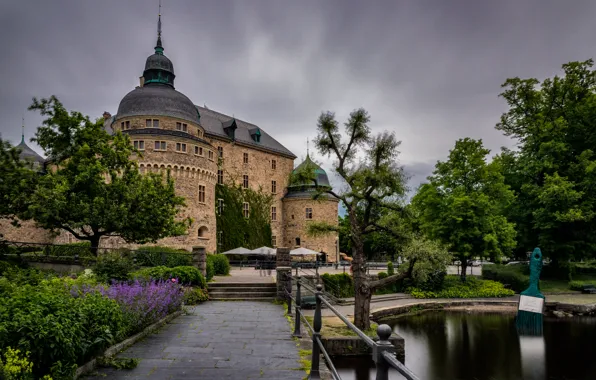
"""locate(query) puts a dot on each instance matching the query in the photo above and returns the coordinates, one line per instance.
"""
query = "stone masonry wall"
(27, 232)
(260, 174)
(296, 224)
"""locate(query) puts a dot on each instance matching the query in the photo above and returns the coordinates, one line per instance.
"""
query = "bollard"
(297, 333)
(383, 332)
(316, 350)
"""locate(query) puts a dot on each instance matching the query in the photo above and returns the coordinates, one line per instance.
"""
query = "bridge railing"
(383, 351)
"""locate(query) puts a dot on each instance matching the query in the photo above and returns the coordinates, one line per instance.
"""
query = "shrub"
(194, 296)
(221, 264)
(390, 269)
(113, 266)
(210, 270)
(186, 275)
(579, 285)
(23, 276)
(512, 275)
(588, 267)
(471, 288)
(340, 285)
(83, 249)
(163, 256)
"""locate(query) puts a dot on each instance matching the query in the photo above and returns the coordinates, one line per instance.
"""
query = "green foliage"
(234, 229)
(425, 261)
(464, 202)
(195, 296)
(17, 181)
(113, 266)
(210, 269)
(118, 363)
(471, 288)
(186, 275)
(511, 275)
(388, 289)
(93, 171)
(15, 365)
(340, 285)
(83, 249)
(162, 256)
(221, 264)
(552, 171)
(579, 285)
(58, 330)
(390, 270)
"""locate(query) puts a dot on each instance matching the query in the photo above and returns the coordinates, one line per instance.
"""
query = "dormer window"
(255, 134)
(230, 128)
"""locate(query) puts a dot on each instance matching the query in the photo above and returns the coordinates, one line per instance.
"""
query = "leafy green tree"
(17, 179)
(93, 188)
(374, 190)
(553, 172)
(463, 205)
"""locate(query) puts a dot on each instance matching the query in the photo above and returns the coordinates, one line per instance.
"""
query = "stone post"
(283, 268)
(199, 259)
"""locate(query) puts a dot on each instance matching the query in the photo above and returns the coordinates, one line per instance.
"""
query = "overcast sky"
(429, 70)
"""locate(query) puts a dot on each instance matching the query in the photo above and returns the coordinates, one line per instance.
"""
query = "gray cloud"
(429, 70)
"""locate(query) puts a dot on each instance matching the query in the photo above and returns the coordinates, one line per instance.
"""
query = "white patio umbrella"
(303, 252)
(264, 251)
(238, 251)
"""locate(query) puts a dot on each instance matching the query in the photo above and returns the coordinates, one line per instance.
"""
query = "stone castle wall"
(28, 232)
(260, 174)
(296, 224)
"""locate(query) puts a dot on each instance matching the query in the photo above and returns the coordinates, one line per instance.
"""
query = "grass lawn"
(578, 299)
(562, 286)
(334, 327)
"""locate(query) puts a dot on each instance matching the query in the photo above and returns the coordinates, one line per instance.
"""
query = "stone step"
(257, 299)
(243, 290)
(226, 295)
(212, 285)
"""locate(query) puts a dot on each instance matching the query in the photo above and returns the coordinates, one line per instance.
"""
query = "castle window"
(125, 125)
(220, 206)
(246, 158)
(155, 123)
(245, 181)
(220, 177)
(220, 151)
(274, 241)
(201, 194)
(180, 147)
(273, 187)
(196, 150)
(160, 145)
(245, 209)
(211, 155)
(273, 213)
(273, 164)
(139, 144)
(203, 232)
(298, 241)
(308, 213)
(149, 123)
(182, 127)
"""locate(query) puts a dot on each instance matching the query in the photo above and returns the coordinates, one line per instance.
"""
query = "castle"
(203, 148)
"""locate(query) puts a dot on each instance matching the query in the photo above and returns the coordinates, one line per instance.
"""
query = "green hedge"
(194, 296)
(221, 265)
(340, 285)
(83, 249)
(579, 285)
(511, 275)
(473, 287)
(186, 275)
(113, 266)
(162, 256)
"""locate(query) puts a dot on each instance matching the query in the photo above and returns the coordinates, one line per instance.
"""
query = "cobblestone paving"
(220, 340)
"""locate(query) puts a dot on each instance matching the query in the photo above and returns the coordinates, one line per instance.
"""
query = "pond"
(454, 345)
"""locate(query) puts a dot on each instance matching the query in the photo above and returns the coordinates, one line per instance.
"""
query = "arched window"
(203, 232)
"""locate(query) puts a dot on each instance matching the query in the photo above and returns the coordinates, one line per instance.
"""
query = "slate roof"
(213, 122)
(29, 154)
(157, 100)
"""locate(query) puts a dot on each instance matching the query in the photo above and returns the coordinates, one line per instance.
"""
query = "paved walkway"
(220, 340)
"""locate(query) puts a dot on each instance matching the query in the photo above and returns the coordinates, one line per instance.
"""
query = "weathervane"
(23, 130)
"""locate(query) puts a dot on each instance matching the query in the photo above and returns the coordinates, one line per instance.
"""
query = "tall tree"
(553, 172)
(374, 188)
(463, 204)
(93, 188)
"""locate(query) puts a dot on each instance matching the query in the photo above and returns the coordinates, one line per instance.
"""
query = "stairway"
(221, 291)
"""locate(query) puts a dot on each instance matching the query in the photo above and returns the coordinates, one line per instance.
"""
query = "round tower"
(300, 209)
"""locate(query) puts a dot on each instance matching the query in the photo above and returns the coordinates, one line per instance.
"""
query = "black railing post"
(297, 316)
(384, 332)
(289, 291)
(316, 336)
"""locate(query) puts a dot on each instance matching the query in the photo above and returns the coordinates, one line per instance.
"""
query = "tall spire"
(307, 154)
(23, 131)
(159, 47)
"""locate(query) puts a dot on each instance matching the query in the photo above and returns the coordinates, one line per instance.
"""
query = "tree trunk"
(464, 269)
(362, 291)
(94, 240)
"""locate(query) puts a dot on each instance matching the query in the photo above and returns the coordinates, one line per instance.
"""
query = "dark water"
(462, 346)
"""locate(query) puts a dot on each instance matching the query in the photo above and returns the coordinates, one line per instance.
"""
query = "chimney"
(142, 81)
(106, 115)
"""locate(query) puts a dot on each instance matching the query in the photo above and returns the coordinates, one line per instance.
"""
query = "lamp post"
(336, 253)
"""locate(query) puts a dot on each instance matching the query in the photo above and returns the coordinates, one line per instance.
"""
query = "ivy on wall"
(233, 229)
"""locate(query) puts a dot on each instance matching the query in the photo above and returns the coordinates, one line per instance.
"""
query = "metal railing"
(383, 351)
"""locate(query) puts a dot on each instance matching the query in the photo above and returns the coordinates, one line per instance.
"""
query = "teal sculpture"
(531, 301)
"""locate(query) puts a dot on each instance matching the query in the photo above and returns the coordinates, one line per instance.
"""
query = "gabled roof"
(215, 122)
(29, 154)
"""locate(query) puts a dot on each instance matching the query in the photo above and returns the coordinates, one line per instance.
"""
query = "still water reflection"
(463, 346)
